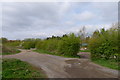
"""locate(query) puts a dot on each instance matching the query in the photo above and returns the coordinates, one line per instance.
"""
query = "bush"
(48, 45)
(3, 40)
(104, 44)
(66, 45)
(69, 45)
(13, 44)
(29, 43)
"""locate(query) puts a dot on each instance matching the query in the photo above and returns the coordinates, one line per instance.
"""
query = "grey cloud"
(23, 15)
(24, 20)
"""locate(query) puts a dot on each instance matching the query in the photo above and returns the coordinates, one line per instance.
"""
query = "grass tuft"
(47, 52)
(14, 68)
(107, 63)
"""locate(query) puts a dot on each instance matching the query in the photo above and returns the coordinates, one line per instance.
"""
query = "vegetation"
(6, 50)
(13, 68)
(3, 40)
(104, 47)
(107, 63)
(15, 43)
(67, 45)
(29, 43)
(54, 45)
(85, 50)
(9, 46)
(46, 52)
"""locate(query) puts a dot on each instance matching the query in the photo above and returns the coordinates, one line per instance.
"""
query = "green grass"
(1, 69)
(107, 63)
(47, 52)
(14, 68)
(84, 51)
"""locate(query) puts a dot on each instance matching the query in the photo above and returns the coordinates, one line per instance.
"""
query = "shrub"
(30, 43)
(13, 44)
(69, 45)
(104, 44)
(4, 40)
(52, 45)
(66, 45)
(48, 45)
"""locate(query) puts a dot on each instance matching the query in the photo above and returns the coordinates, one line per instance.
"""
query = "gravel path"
(60, 67)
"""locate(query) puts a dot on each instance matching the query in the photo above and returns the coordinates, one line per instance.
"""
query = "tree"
(82, 33)
(4, 40)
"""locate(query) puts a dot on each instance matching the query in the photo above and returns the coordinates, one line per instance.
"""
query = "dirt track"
(59, 67)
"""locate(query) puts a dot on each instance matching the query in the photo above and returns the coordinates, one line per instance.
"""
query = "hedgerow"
(66, 45)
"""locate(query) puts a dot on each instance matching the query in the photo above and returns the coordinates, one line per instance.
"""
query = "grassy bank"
(7, 50)
(47, 52)
(107, 63)
(9, 53)
(13, 68)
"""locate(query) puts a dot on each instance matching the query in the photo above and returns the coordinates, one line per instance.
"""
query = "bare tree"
(82, 33)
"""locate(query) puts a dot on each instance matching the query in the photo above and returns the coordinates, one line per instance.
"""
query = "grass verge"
(7, 50)
(107, 63)
(84, 51)
(9, 53)
(14, 68)
(47, 52)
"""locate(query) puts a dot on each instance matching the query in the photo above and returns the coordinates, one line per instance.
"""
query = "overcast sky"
(44, 19)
